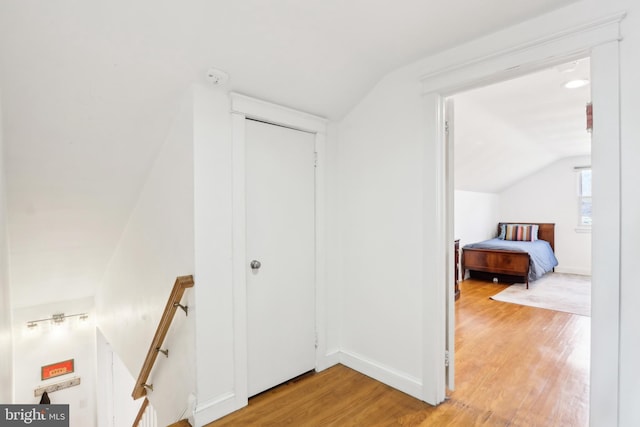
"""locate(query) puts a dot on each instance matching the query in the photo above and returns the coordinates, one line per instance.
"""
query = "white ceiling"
(88, 89)
(506, 131)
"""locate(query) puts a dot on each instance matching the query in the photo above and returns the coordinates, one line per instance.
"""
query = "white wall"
(156, 247)
(114, 409)
(216, 382)
(476, 216)
(47, 344)
(379, 232)
(104, 381)
(551, 195)
(6, 374)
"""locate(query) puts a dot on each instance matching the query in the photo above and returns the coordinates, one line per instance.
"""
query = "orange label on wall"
(56, 369)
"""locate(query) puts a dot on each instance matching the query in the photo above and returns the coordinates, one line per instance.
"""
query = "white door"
(280, 189)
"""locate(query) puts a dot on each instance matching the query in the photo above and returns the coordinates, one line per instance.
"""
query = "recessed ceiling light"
(576, 83)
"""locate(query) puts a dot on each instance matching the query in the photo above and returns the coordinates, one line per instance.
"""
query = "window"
(584, 197)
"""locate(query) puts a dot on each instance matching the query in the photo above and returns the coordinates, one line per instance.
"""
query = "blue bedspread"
(542, 257)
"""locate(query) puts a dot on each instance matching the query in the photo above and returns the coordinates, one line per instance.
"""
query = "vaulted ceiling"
(88, 89)
(508, 130)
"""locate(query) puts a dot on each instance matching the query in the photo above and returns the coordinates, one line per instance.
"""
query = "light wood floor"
(516, 366)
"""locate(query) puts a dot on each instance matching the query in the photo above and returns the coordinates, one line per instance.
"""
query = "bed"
(516, 257)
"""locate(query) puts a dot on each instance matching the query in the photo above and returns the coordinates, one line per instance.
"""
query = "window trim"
(582, 226)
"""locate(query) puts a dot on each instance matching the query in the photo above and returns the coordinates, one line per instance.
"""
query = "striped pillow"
(521, 232)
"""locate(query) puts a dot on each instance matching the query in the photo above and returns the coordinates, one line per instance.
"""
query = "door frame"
(600, 40)
(242, 108)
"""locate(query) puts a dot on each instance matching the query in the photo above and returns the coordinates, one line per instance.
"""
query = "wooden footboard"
(512, 263)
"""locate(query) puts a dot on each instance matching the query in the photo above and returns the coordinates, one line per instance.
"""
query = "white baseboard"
(389, 376)
(330, 359)
(215, 408)
(572, 270)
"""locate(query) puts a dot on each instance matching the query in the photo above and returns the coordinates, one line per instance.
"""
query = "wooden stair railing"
(179, 287)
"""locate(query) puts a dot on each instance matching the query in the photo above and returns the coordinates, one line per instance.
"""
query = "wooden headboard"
(546, 231)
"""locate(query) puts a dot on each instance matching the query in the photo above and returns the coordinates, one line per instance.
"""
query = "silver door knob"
(255, 264)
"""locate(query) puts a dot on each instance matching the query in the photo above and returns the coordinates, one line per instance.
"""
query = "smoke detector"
(217, 77)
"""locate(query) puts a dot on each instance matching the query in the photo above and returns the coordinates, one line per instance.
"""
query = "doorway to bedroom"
(522, 154)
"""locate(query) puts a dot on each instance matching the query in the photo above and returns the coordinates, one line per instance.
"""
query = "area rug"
(555, 291)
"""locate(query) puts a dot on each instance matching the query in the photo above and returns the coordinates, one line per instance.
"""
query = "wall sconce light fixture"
(56, 319)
